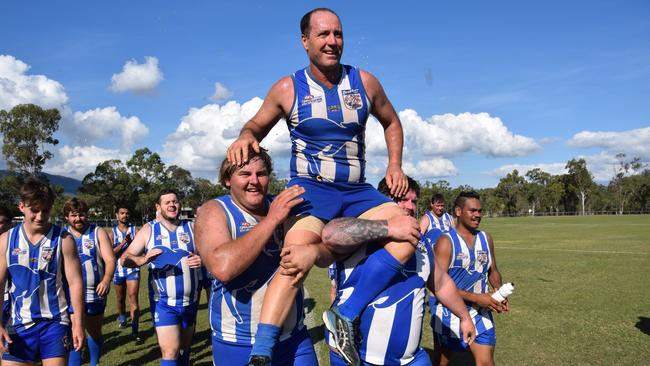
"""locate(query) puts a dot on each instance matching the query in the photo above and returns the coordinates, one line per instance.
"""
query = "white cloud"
(137, 78)
(632, 142)
(552, 168)
(77, 161)
(17, 87)
(450, 135)
(221, 93)
(200, 140)
(433, 168)
(105, 125)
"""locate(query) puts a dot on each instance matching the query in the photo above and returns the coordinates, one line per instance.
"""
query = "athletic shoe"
(345, 333)
(136, 338)
(259, 361)
(122, 325)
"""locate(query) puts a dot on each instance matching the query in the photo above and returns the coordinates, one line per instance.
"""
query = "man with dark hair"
(97, 267)
(326, 106)
(240, 236)
(126, 280)
(39, 265)
(391, 326)
(468, 255)
(5, 220)
(174, 276)
(436, 217)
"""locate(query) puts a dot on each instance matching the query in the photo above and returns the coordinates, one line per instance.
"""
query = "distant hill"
(70, 185)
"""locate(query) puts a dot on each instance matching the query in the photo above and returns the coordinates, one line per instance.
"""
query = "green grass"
(582, 297)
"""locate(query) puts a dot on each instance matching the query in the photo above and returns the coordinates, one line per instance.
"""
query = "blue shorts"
(327, 200)
(163, 314)
(297, 351)
(120, 280)
(92, 308)
(421, 358)
(487, 338)
(46, 339)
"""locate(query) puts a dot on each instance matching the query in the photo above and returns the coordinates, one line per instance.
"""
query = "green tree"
(536, 188)
(510, 189)
(580, 180)
(27, 129)
(147, 177)
(108, 185)
(622, 184)
(276, 185)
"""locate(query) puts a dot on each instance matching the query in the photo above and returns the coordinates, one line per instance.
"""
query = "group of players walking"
(252, 251)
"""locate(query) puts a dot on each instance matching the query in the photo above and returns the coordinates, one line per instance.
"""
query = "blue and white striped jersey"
(444, 223)
(391, 325)
(118, 236)
(235, 307)
(92, 264)
(468, 269)
(327, 127)
(36, 278)
(171, 280)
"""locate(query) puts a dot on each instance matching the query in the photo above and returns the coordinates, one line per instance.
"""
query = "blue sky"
(481, 87)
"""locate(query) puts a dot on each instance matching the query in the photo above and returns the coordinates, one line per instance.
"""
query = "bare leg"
(483, 354)
(169, 340)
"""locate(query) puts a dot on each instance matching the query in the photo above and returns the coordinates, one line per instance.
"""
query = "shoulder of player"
(370, 83)
(282, 88)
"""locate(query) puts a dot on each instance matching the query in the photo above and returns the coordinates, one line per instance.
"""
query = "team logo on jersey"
(461, 256)
(245, 227)
(184, 238)
(310, 99)
(352, 99)
(88, 243)
(333, 108)
(481, 256)
(161, 237)
(18, 251)
(47, 253)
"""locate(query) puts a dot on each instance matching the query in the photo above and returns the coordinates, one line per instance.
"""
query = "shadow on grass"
(317, 333)
(643, 325)
(459, 359)
(310, 304)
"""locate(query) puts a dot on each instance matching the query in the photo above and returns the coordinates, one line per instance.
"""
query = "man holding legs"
(37, 260)
(167, 246)
(126, 280)
(326, 106)
(97, 267)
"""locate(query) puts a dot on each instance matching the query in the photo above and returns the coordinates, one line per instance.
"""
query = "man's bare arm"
(133, 257)
(347, 234)
(72, 268)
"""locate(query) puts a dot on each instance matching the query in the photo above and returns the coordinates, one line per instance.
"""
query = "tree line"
(28, 131)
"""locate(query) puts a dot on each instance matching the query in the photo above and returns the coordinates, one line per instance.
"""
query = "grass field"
(582, 297)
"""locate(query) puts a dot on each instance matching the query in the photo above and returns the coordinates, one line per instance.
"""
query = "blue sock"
(168, 362)
(74, 358)
(265, 339)
(95, 349)
(121, 318)
(378, 271)
(135, 322)
(184, 358)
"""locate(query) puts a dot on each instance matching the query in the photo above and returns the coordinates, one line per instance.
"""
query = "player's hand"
(404, 228)
(78, 335)
(194, 261)
(396, 181)
(127, 238)
(237, 152)
(297, 260)
(488, 302)
(151, 255)
(468, 330)
(4, 340)
(506, 305)
(103, 288)
(284, 202)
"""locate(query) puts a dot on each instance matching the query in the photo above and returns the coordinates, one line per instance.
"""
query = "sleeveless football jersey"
(36, 278)
(118, 236)
(235, 307)
(92, 265)
(327, 127)
(444, 223)
(391, 325)
(468, 269)
(171, 280)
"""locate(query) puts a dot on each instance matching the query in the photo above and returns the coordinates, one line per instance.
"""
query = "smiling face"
(36, 217)
(123, 216)
(168, 207)
(249, 185)
(78, 220)
(324, 41)
(408, 202)
(469, 216)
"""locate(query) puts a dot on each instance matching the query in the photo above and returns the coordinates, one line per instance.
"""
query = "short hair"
(165, 191)
(305, 21)
(227, 169)
(437, 198)
(463, 197)
(74, 204)
(119, 205)
(36, 193)
(382, 187)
